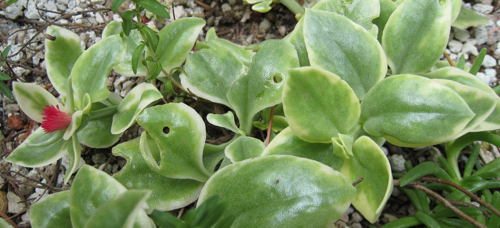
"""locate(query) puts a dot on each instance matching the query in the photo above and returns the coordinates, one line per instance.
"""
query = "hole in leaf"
(166, 130)
(277, 78)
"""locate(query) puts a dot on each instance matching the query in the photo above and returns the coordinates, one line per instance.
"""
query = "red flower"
(54, 119)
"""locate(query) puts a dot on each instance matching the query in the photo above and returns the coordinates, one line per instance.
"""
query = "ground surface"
(233, 20)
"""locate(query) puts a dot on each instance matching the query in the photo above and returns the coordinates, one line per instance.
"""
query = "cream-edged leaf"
(132, 105)
(281, 191)
(32, 99)
(167, 193)
(370, 163)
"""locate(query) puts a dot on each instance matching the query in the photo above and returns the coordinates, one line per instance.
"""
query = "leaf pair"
(220, 74)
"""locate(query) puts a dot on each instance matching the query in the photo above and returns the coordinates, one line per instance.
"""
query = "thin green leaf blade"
(154, 7)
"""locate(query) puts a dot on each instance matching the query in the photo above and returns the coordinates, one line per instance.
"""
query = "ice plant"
(54, 119)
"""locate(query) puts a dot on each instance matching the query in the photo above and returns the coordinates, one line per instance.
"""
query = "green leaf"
(387, 7)
(244, 148)
(97, 133)
(262, 86)
(134, 39)
(224, 120)
(165, 219)
(10, 2)
(6, 51)
(348, 51)
(92, 188)
(402, 222)
(240, 52)
(210, 73)
(5, 90)
(414, 111)
(468, 79)
(154, 7)
(296, 38)
(167, 193)
(176, 41)
(263, 6)
(39, 149)
(280, 190)
(116, 4)
(424, 169)
(127, 17)
(417, 30)
(480, 102)
(155, 70)
(136, 100)
(90, 73)
(139, 50)
(179, 133)
(32, 99)
(468, 18)
(477, 63)
(493, 166)
(119, 211)
(4, 76)
(427, 220)
(319, 105)
(369, 162)
(151, 37)
(361, 12)
(286, 143)
(52, 211)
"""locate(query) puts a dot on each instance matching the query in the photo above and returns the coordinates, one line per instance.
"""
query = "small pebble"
(264, 25)
(225, 7)
(489, 61)
(461, 34)
(356, 217)
(470, 48)
(14, 205)
(99, 158)
(482, 8)
(397, 163)
(481, 34)
(455, 46)
(386, 218)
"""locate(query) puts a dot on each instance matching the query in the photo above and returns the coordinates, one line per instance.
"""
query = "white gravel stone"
(487, 78)
(199, 12)
(225, 7)
(482, 8)
(264, 25)
(388, 218)
(126, 87)
(397, 163)
(481, 34)
(14, 206)
(31, 12)
(15, 9)
(179, 12)
(470, 48)
(455, 46)
(461, 34)
(489, 61)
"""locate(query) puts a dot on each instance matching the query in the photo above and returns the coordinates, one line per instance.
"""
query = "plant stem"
(151, 51)
(103, 112)
(445, 202)
(449, 59)
(454, 149)
(293, 6)
(472, 196)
